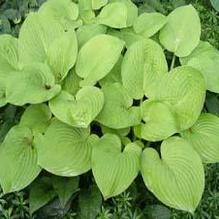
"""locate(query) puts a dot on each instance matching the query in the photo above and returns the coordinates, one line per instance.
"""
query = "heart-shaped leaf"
(123, 114)
(62, 54)
(176, 35)
(71, 146)
(184, 90)
(205, 58)
(177, 178)
(78, 111)
(18, 160)
(34, 84)
(149, 23)
(94, 63)
(159, 121)
(113, 170)
(147, 61)
(204, 138)
(36, 117)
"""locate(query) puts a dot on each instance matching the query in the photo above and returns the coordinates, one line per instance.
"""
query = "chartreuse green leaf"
(36, 117)
(205, 58)
(33, 84)
(123, 114)
(63, 11)
(97, 4)
(183, 89)
(36, 35)
(65, 188)
(176, 35)
(97, 58)
(203, 136)
(88, 31)
(118, 168)
(86, 12)
(143, 65)
(159, 121)
(72, 146)
(149, 23)
(8, 55)
(118, 14)
(78, 111)
(62, 54)
(71, 83)
(18, 159)
(177, 177)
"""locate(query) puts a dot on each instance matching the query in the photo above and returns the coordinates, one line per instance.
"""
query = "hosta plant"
(100, 94)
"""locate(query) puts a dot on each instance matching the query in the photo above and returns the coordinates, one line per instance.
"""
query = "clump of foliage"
(99, 94)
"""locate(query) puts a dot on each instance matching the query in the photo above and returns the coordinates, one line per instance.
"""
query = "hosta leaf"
(149, 23)
(18, 160)
(72, 146)
(159, 121)
(215, 4)
(118, 14)
(176, 35)
(86, 12)
(205, 58)
(65, 188)
(71, 83)
(34, 84)
(86, 32)
(203, 136)
(41, 192)
(63, 11)
(147, 61)
(184, 90)
(177, 178)
(62, 54)
(94, 63)
(113, 170)
(36, 117)
(78, 111)
(97, 4)
(123, 114)
(119, 132)
(36, 35)
(8, 55)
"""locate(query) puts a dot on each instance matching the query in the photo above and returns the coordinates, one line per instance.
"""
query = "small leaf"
(159, 121)
(177, 178)
(41, 192)
(18, 160)
(146, 59)
(62, 54)
(205, 58)
(78, 111)
(97, 4)
(176, 35)
(113, 170)
(65, 188)
(118, 14)
(94, 63)
(203, 136)
(71, 146)
(157, 211)
(149, 23)
(36, 117)
(34, 84)
(123, 114)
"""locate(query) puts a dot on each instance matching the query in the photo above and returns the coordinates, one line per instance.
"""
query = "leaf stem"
(173, 62)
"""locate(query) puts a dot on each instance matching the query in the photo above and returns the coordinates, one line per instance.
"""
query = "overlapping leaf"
(65, 150)
(78, 111)
(18, 159)
(114, 170)
(203, 136)
(177, 178)
(118, 111)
